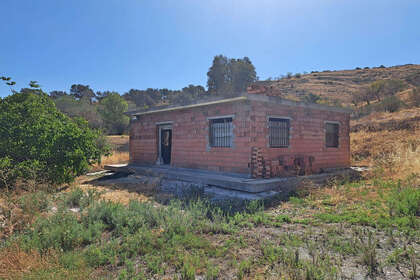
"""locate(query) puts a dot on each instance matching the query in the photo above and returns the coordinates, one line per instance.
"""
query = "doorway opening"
(165, 144)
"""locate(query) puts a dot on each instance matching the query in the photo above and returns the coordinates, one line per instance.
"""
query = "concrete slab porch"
(230, 181)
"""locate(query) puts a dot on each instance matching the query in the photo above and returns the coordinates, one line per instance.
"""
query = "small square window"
(220, 133)
(331, 134)
(279, 132)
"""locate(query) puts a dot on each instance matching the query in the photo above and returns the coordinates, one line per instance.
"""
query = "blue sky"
(119, 45)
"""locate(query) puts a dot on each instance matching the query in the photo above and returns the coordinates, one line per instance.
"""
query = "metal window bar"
(279, 130)
(221, 132)
(331, 134)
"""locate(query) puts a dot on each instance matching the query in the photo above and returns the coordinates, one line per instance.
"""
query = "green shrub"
(311, 98)
(62, 231)
(34, 202)
(41, 143)
(74, 198)
(244, 268)
(113, 215)
(212, 272)
(72, 260)
(97, 256)
(404, 205)
(188, 271)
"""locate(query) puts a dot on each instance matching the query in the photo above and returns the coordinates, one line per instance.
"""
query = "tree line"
(105, 109)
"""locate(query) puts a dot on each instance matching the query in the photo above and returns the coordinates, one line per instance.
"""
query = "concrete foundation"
(227, 181)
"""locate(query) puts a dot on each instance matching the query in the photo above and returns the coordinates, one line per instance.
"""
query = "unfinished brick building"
(254, 134)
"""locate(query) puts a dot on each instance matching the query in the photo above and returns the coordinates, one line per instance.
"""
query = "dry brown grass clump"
(14, 262)
(397, 153)
(120, 153)
(406, 119)
(115, 195)
(118, 142)
(114, 158)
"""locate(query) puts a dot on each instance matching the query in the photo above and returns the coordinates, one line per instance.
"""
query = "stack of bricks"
(256, 162)
(267, 169)
(276, 168)
(260, 167)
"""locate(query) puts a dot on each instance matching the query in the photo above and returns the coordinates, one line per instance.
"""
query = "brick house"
(254, 134)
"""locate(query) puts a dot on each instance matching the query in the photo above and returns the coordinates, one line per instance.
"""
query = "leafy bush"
(41, 143)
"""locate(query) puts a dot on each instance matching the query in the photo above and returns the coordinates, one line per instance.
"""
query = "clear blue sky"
(119, 45)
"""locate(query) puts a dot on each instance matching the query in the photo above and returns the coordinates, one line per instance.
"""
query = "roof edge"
(226, 100)
(251, 97)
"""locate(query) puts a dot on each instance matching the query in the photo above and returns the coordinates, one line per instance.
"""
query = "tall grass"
(394, 154)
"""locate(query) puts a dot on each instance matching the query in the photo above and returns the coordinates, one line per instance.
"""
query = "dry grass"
(115, 195)
(114, 158)
(339, 85)
(14, 262)
(336, 195)
(396, 152)
(118, 142)
(120, 153)
(406, 119)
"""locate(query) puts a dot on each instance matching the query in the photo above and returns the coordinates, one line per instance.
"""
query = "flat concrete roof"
(243, 97)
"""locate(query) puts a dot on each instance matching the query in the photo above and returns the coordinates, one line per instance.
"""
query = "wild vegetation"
(366, 229)
(51, 227)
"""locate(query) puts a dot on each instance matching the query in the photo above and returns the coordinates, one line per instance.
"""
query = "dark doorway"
(166, 145)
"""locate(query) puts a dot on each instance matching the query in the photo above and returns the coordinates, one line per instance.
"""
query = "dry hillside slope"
(341, 84)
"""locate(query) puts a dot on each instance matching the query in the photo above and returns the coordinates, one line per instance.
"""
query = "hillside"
(340, 85)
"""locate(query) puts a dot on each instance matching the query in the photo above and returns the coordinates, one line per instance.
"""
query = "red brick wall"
(307, 135)
(190, 136)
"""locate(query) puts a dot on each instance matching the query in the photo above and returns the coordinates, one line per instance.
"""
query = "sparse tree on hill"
(311, 98)
(82, 92)
(143, 98)
(227, 76)
(112, 108)
(218, 75)
(415, 97)
(74, 108)
(57, 93)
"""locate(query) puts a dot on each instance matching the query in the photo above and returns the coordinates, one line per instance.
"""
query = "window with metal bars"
(331, 134)
(279, 131)
(221, 132)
